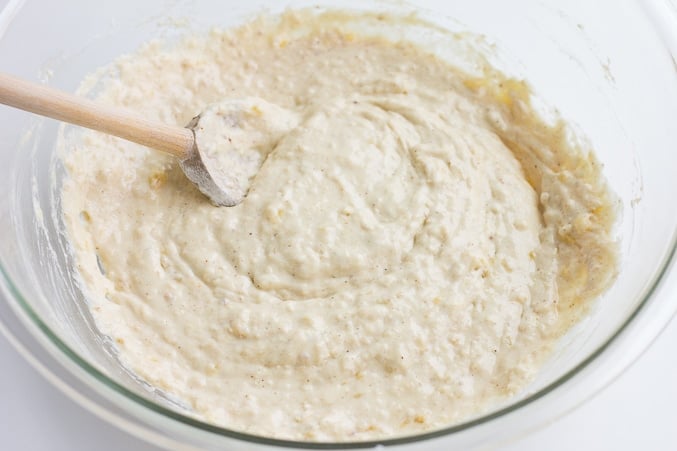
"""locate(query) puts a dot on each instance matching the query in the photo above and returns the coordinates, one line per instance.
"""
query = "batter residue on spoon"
(412, 243)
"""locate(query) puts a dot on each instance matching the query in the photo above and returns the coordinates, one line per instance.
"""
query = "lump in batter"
(413, 242)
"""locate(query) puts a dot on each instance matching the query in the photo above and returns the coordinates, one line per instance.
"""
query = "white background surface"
(637, 412)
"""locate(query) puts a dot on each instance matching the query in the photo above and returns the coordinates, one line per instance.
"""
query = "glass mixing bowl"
(608, 66)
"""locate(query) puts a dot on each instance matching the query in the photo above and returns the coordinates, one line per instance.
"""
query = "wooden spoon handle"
(59, 105)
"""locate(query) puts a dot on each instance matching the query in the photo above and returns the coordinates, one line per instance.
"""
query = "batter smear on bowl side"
(413, 242)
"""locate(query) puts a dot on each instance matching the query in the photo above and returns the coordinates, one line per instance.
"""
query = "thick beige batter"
(412, 245)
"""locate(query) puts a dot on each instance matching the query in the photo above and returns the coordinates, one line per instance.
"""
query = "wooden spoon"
(177, 141)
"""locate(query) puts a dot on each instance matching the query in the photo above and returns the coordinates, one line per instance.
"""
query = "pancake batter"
(412, 243)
